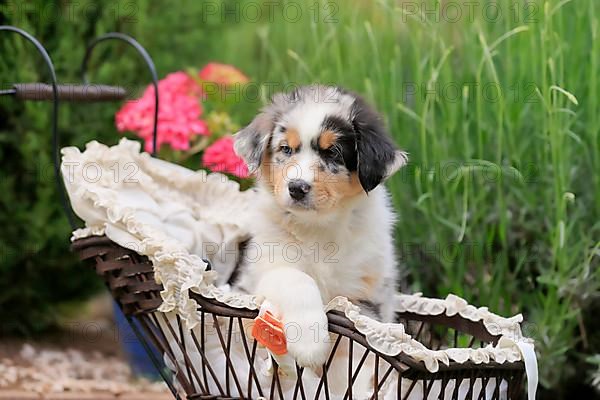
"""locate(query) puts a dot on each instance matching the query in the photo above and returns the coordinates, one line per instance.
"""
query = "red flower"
(220, 157)
(222, 74)
(179, 113)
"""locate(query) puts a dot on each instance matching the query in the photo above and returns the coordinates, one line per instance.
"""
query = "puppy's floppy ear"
(377, 157)
(252, 141)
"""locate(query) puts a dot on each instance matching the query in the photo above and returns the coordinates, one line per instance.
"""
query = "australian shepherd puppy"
(324, 223)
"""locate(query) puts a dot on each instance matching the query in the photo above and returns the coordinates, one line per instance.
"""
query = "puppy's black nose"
(298, 189)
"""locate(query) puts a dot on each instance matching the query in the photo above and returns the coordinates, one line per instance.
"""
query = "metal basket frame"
(130, 279)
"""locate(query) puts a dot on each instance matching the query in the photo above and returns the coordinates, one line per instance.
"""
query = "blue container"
(138, 359)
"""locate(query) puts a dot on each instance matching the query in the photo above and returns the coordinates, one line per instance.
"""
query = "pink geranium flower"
(179, 113)
(222, 74)
(179, 82)
(220, 157)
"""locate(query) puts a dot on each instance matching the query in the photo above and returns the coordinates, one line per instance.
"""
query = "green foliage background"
(498, 108)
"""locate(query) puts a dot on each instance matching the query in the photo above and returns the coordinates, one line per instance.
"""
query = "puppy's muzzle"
(298, 189)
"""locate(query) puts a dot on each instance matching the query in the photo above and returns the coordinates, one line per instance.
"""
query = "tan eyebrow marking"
(293, 138)
(327, 139)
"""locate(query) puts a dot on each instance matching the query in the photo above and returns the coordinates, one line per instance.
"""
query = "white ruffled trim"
(87, 232)
(452, 305)
(391, 339)
(178, 271)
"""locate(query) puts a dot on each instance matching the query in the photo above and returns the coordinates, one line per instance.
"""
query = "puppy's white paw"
(308, 339)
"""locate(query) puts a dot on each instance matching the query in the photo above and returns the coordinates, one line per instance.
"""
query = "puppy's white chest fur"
(348, 252)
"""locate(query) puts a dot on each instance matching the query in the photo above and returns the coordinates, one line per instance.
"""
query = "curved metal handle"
(149, 63)
(55, 98)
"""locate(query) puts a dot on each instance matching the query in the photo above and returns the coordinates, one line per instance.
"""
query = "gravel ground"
(41, 369)
(83, 361)
(21, 395)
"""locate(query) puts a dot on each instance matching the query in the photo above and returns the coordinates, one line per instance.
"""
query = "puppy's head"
(317, 147)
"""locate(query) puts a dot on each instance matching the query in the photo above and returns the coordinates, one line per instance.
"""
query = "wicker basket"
(129, 277)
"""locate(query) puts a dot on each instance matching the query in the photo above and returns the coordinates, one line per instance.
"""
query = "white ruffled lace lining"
(391, 339)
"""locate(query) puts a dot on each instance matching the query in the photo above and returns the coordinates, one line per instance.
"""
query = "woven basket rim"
(340, 324)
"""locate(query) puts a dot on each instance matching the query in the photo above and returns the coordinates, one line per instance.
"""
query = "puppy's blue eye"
(285, 149)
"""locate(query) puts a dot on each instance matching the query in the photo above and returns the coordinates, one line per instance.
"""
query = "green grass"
(501, 116)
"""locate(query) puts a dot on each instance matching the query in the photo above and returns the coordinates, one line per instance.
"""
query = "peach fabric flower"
(179, 113)
(220, 157)
(222, 74)
(268, 331)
